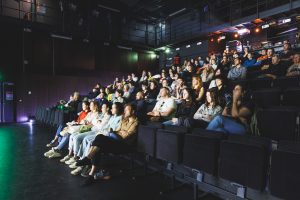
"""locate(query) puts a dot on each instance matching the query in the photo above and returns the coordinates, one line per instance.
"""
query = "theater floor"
(26, 174)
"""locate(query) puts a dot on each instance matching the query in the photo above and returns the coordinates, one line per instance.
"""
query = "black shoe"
(83, 162)
(85, 172)
(88, 181)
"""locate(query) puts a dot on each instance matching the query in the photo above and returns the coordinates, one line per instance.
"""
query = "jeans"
(169, 123)
(59, 129)
(63, 141)
(77, 141)
(181, 121)
(86, 144)
(114, 136)
(226, 125)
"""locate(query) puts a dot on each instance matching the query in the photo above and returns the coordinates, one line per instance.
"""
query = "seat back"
(267, 97)
(169, 145)
(278, 123)
(291, 97)
(244, 163)
(146, 142)
(284, 174)
(201, 152)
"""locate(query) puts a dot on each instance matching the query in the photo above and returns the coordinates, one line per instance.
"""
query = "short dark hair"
(119, 107)
(119, 91)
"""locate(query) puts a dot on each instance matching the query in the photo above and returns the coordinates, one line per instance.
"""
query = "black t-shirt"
(247, 103)
(153, 94)
(277, 70)
(186, 109)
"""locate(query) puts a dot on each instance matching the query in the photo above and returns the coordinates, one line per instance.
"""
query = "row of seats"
(279, 123)
(51, 117)
(254, 84)
(244, 160)
(277, 97)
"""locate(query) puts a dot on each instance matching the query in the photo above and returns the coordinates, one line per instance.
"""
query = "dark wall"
(53, 68)
(34, 90)
(10, 51)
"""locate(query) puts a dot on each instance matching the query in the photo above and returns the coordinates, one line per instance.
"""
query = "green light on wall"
(152, 55)
(133, 57)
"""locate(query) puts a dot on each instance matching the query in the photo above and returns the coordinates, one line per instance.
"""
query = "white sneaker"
(48, 153)
(70, 161)
(55, 154)
(67, 157)
(73, 166)
(76, 171)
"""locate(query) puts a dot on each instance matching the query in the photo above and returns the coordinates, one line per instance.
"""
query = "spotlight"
(257, 30)
(236, 35)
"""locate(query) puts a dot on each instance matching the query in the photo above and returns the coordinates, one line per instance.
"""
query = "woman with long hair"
(208, 110)
(198, 89)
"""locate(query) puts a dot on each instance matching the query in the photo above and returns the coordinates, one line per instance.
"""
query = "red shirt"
(82, 115)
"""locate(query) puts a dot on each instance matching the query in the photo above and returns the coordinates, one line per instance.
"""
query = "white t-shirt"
(163, 105)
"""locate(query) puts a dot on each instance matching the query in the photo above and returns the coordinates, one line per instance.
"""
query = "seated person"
(223, 97)
(164, 83)
(90, 120)
(294, 70)
(263, 55)
(250, 61)
(126, 93)
(207, 73)
(109, 93)
(76, 141)
(79, 120)
(268, 61)
(153, 91)
(165, 108)
(273, 70)
(287, 53)
(111, 126)
(225, 66)
(120, 141)
(208, 110)
(118, 96)
(235, 117)
(72, 106)
(101, 98)
(188, 74)
(179, 88)
(144, 77)
(237, 71)
(94, 93)
(184, 112)
(198, 89)
(141, 107)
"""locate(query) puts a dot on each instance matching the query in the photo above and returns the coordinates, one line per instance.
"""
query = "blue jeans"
(226, 125)
(77, 141)
(114, 136)
(59, 129)
(169, 123)
(64, 140)
(86, 144)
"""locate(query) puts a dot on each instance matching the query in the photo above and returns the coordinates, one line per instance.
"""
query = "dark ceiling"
(153, 11)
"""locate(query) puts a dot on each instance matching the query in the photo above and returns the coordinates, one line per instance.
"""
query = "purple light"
(23, 119)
